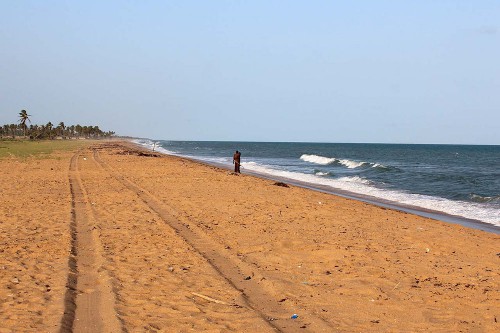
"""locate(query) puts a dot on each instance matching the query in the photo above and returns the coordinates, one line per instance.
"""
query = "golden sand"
(116, 240)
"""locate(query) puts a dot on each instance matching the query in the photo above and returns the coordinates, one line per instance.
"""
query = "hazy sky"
(330, 71)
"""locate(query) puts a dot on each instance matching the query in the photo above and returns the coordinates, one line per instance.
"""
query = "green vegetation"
(14, 137)
(38, 149)
(48, 131)
(24, 117)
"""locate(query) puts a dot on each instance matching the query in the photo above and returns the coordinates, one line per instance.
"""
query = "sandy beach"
(112, 238)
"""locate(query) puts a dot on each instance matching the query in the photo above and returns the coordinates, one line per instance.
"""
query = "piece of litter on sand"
(210, 299)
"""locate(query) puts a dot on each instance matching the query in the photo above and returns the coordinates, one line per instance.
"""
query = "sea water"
(461, 181)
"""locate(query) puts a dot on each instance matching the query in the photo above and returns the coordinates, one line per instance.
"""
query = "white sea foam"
(355, 179)
(149, 144)
(164, 151)
(479, 198)
(378, 165)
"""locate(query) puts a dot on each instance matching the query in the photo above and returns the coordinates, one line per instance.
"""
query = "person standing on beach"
(236, 161)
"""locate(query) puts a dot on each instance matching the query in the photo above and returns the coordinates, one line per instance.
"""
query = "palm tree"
(37, 131)
(78, 129)
(61, 127)
(13, 128)
(24, 116)
(49, 129)
(41, 132)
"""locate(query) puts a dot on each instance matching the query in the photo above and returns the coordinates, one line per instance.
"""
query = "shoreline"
(420, 211)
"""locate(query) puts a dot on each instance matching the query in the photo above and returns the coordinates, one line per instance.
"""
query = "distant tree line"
(49, 131)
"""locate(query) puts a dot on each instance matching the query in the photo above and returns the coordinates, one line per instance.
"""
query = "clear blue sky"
(421, 71)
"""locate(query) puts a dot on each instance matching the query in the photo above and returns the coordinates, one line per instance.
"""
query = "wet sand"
(113, 239)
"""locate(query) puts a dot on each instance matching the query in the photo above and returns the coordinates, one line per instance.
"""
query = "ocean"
(454, 183)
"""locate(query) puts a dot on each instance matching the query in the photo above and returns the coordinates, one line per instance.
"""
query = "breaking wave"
(332, 160)
(317, 159)
(478, 198)
(352, 164)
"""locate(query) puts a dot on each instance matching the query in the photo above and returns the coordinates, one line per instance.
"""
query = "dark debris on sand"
(138, 153)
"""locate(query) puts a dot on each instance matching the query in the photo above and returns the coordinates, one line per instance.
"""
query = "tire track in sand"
(70, 296)
(254, 296)
(89, 300)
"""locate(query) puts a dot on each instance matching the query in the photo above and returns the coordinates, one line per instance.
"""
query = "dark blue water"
(458, 180)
